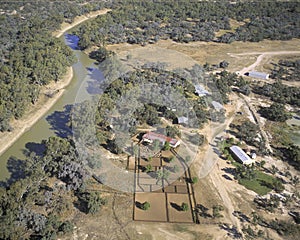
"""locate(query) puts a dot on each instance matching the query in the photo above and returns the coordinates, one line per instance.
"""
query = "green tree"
(146, 206)
(149, 168)
(101, 54)
(172, 131)
(184, 207)
(216, 211)
(93, 201)
(188, 159)
(194, 180)
(167, 146)
(276, 112)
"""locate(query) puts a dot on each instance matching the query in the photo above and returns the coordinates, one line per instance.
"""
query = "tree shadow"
(81, 206)
(176, 206)
(229, 170)
(241, 216)
(72, 41)
(95, 81)
(37, 148)
(232, 231)
(59, 121)
(227, 177)
(202, 211)
(16, 168)
(217, 151)
(139, 205)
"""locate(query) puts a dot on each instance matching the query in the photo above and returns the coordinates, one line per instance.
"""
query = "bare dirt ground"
(44, 103)
(213, 187)
(261, 56)
(157, 211)
(210, 166)
(213, 53)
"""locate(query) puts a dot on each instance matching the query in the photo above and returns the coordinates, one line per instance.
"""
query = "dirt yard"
(157, 211)
(175, 213)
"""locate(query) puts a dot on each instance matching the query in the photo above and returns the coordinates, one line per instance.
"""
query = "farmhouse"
(151, 136)
(240, 155)
(259, 75)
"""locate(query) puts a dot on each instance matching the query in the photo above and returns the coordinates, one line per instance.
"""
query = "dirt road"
(259, 59)
(211, 162)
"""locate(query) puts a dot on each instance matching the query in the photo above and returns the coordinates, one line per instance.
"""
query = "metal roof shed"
(183, 120)
(217, 106)
(259, 75)
(241, 155)
(200, 90)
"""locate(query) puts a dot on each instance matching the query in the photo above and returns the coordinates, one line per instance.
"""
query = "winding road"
(259, 59)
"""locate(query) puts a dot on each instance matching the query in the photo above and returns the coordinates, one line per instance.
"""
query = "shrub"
(184, 207)
(146, 206)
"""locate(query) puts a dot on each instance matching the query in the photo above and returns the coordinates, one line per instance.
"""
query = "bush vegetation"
(30, 57)
(142, 22)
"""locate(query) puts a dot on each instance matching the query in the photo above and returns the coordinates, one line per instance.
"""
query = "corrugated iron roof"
(240, 154)
(160, 137)
(258, 75)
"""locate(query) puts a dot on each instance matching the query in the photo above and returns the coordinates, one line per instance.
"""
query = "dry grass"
(269, 65)
(202, 52)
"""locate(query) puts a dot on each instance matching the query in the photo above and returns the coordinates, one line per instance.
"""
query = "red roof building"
(151, 136)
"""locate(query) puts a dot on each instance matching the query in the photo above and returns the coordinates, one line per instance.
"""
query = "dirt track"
(259, 59)
(211, 164)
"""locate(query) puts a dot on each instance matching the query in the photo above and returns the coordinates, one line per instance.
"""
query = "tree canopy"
(30, 56)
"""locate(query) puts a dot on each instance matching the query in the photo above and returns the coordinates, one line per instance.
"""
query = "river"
(53, 123)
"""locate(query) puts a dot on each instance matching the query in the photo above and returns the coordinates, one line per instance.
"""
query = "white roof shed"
(183, 120)
(200, 90)
(217, 106)
(259, 75)
(241, 155)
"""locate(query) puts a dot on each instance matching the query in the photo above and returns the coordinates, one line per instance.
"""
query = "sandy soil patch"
(175, 214)
(155, 162)
(157, 211)
(213, 53)
(67, 26)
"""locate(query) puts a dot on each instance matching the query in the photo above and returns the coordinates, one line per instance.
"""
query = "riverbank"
(49, 95)
(80, 19)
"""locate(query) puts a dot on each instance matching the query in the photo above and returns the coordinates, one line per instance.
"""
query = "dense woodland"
(30, 56)
(142, 97)
(41, 204)
(287, 70)
(280, 93)
(145, 22)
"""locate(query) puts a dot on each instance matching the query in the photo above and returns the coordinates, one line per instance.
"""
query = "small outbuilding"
(240, 155)
(200, 90)
(259, 75)
(217, 106)
(183, 120)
